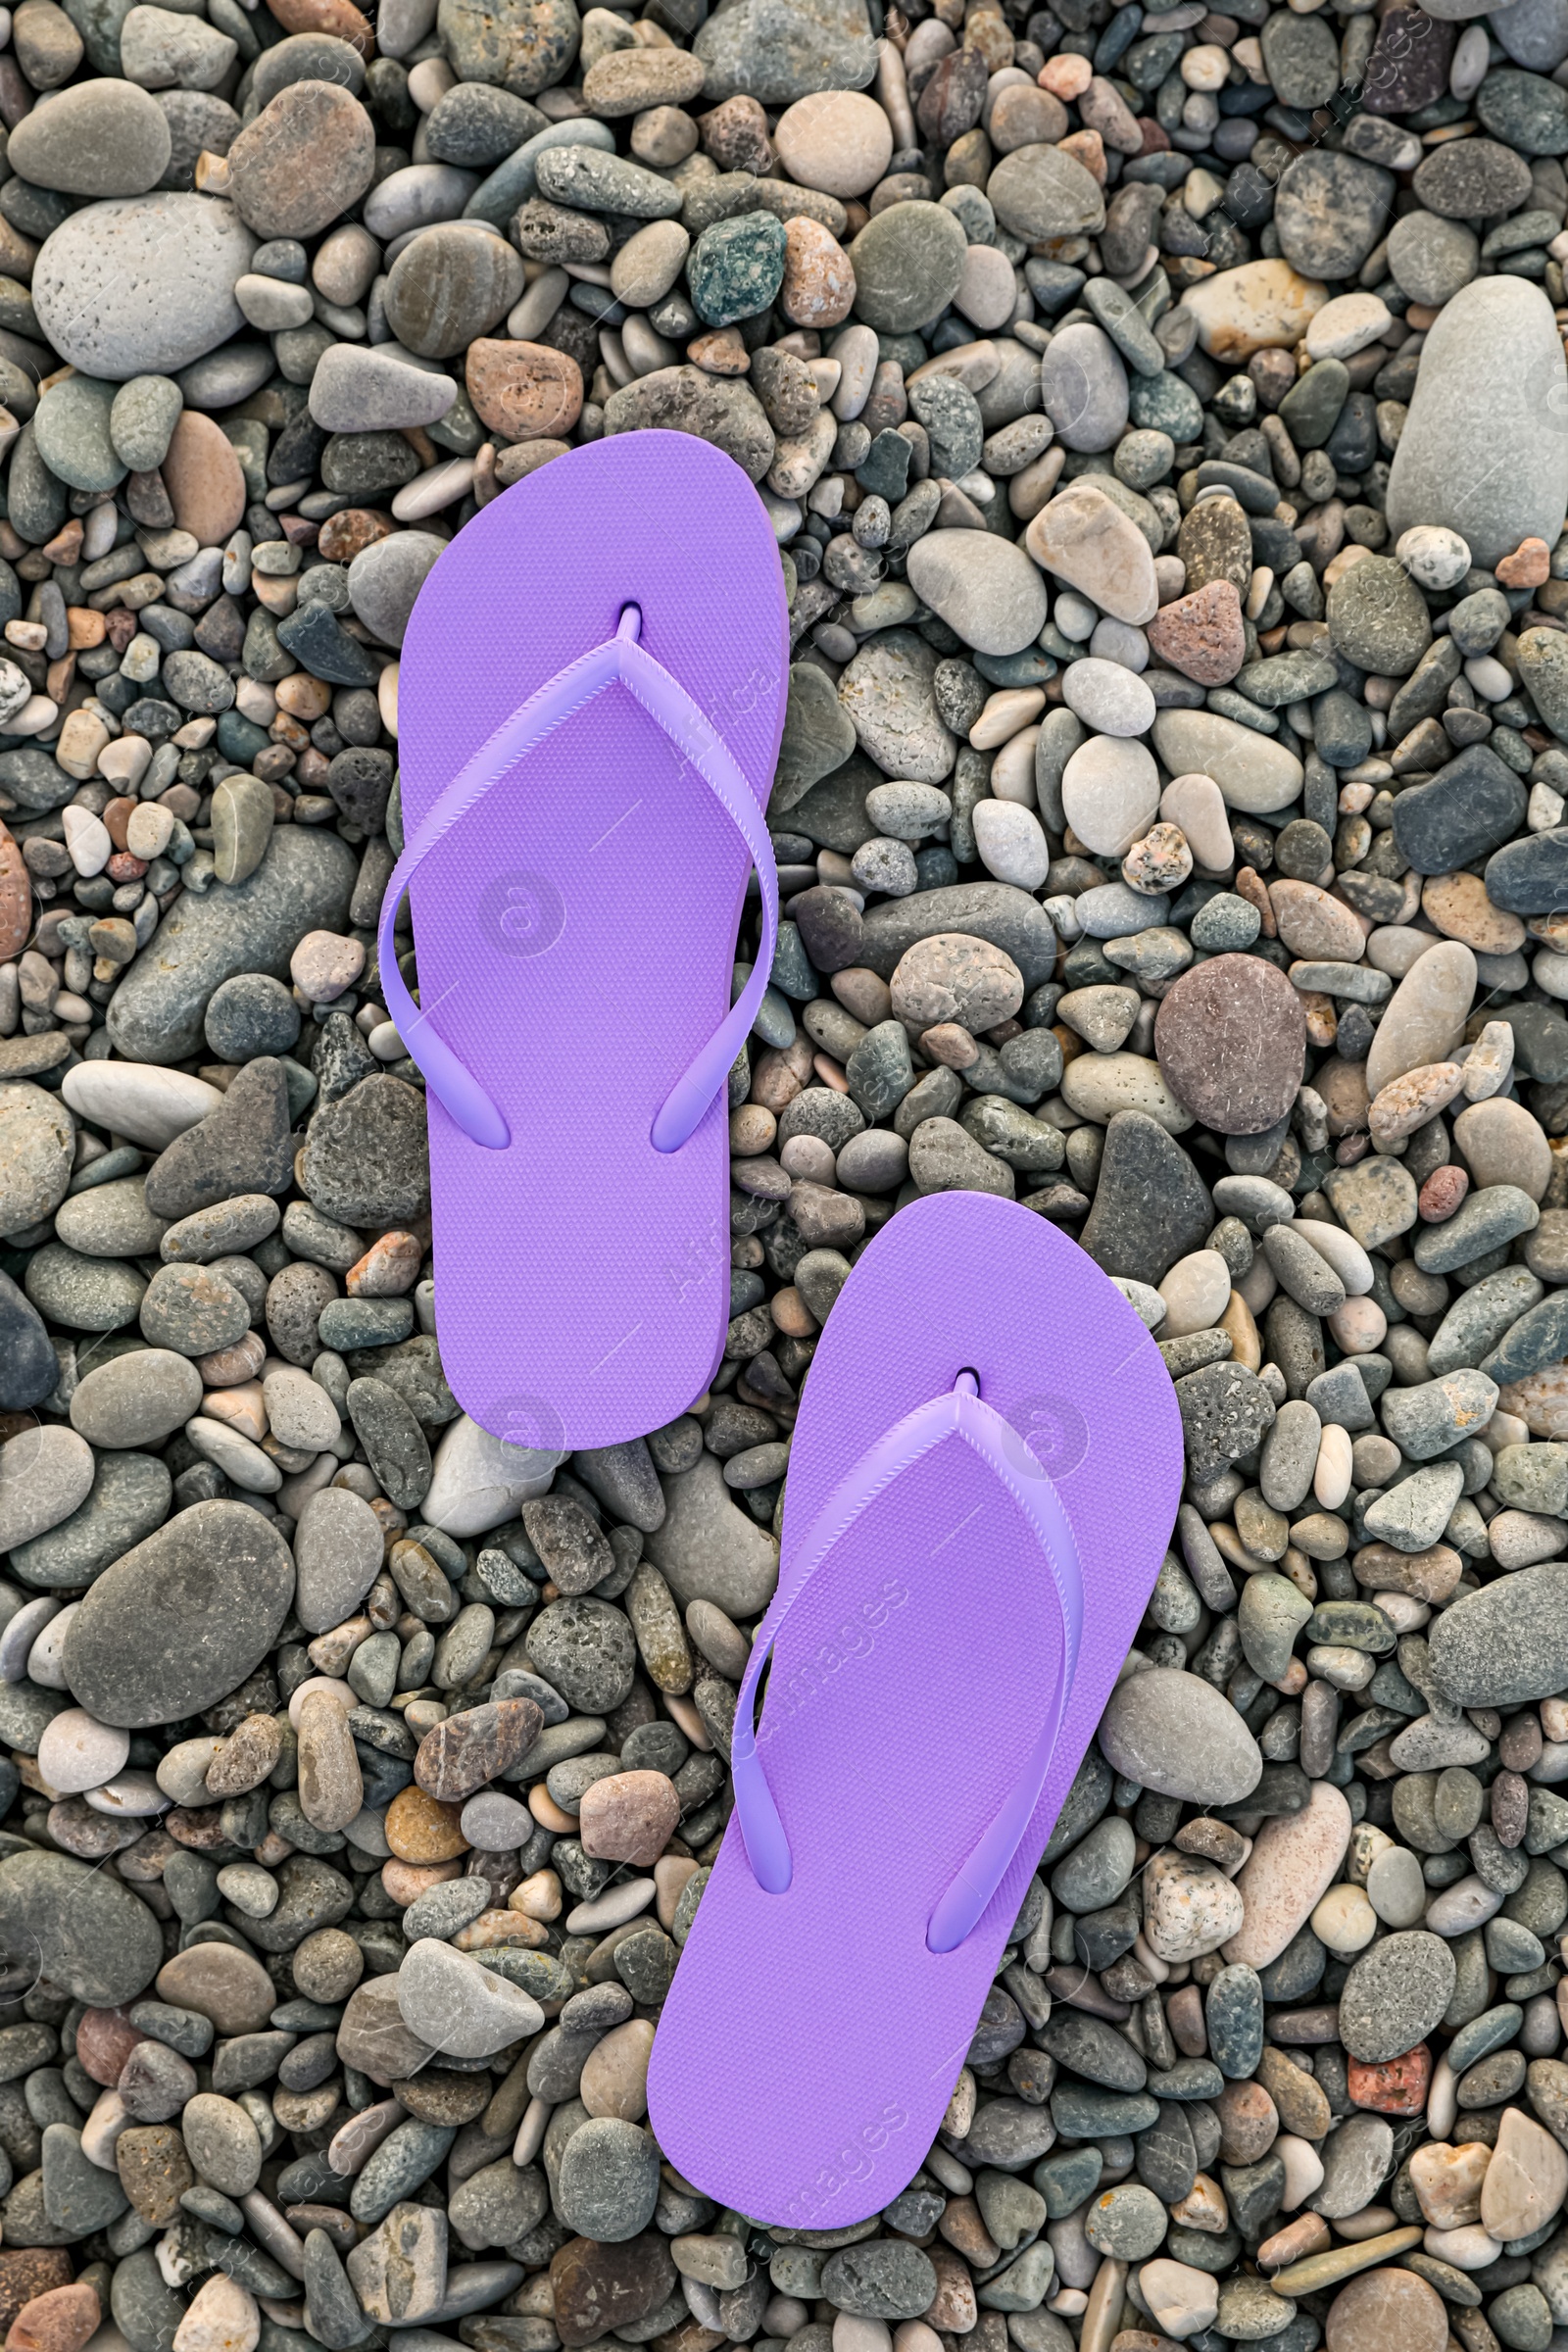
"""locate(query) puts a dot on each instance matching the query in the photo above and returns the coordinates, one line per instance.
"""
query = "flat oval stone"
(1491, 376)
(181, 1620)
(304, 159)
(984, 586)
(1043, 191)
(453, 282)
(92, 1935)
(141, 286)
(1084, 385)
(1395, 1996)
(907, 261)
(1231, 1040)
(98, 138)
(1295, 1858)
(1174, 1732)
(1255, 773)
(1509, 1641)
(1425, 1014)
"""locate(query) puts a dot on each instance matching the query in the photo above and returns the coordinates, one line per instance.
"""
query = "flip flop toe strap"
(621, 661)
(961, 1413)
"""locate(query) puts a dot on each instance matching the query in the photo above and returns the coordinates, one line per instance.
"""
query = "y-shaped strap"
(620, 660)
(961, 1413)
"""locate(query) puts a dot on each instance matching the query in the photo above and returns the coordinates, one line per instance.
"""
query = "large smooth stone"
(1425, 1014)
(81, 1929)
(140, 285)
(179, 1621)
(1255, 773)
(1485, 447)
(1507, 1643)
(1174, 1732)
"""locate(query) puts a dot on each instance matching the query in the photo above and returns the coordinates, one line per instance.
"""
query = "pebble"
(1465, 392)
(141, 284)
(1163, 1729)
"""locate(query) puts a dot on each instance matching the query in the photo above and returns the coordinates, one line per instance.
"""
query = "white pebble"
(1543, 812)
(1343, 1920)
(1196, 1292)
(1471, 57)
(46, 1658)
(86, 836)
(1012, 772)
(1488, 676)
(1468, 2249)
(340, 1690)
(1303, 2169)
(1109, 793)
(1331, 1478)
(1012, 842)
(78, 1752)
(1346, 325)
(1108, 698)
(1433, 556)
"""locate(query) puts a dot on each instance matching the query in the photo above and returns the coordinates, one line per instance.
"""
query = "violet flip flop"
(982, 1481)
(592, 693)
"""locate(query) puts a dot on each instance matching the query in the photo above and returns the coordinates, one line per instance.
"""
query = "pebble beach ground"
(1162, 417)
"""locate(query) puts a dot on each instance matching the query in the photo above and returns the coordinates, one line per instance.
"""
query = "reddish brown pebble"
(346, 535)
(388, 1268)
(1230, 1041)
(460, 1754)
(1398, 2086)
(523, 391)
(117, 816)
(1185, 2015)
(1249, 2122)
(14, 900)
(1527, 568)
(61, 2320)
(1442, 1193)
(628, 1817)
(104, 2039)
(735, 135)
(1392, 2308)
(1202, 635)
(339, 17)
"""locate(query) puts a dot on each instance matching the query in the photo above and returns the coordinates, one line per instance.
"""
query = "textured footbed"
(811, 2041)
(576, 930)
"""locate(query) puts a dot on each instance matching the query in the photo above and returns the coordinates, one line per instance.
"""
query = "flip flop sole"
(576, 932)
(810, 2045)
